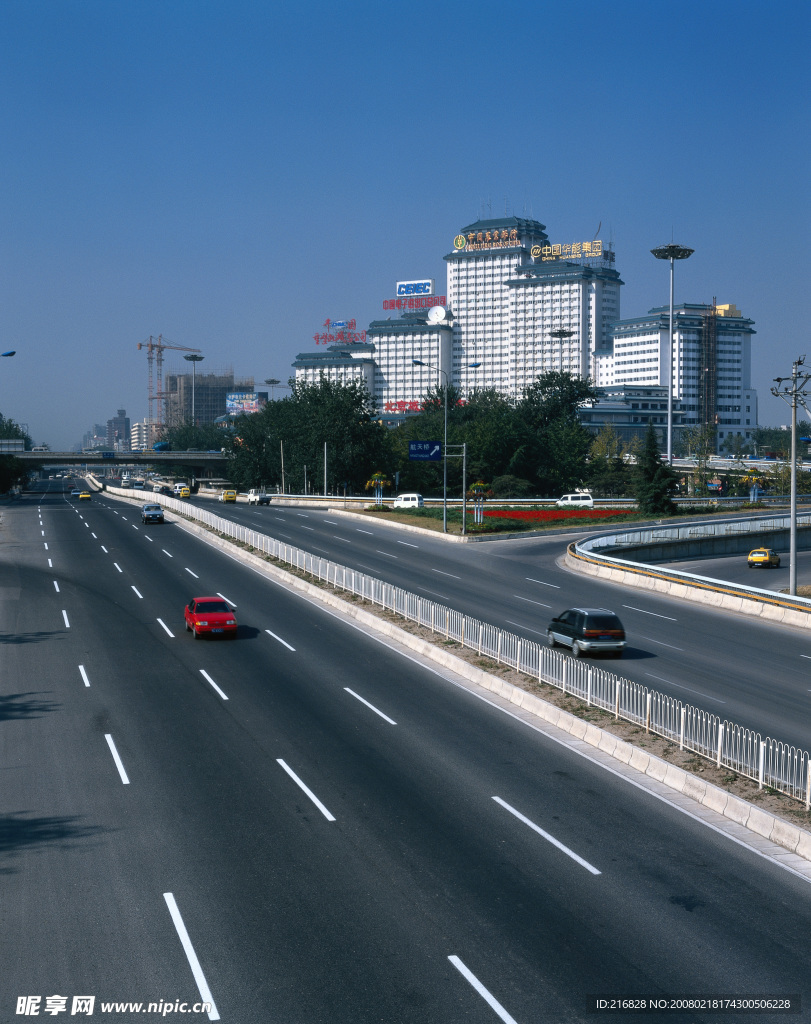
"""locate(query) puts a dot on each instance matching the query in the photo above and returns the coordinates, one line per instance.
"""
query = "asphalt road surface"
(304, 826)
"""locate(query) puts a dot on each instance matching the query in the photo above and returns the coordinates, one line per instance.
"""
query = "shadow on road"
(24, 705)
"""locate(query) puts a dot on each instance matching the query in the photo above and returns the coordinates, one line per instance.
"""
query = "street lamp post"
(194, 360)
(471, 366)
(419, 362)
(671, 252)
(791, 389)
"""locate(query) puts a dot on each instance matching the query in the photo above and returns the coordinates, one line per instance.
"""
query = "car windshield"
(211, 606)
(152, 508)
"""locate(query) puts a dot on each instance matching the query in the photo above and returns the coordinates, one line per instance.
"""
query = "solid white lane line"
(357, 696)
(309, 792)
(310, 528)
(117, 759)
(50, 566)
(441, 573)
(46, 547)
(529, 579)
(406, 544)
(329, 522)
(303, 515)
(138, 593)
(551, 839)
(387, 554)
(661, 643)
(644, 611)
(191, 956)
(171, 634)
(530, 601)
(87, 525)
(486, 996)
(134, 526)
(358, 530)
(283, 642)
(192, 573)
(679, 686)
(56, 586)
(104, 549)
(94, 536)
(346, 540)
(84, 675)
(65, 617)
(151, 541)
(167, 553)
(226, 599)
(42, 532)
(208, 679)
(118, 566)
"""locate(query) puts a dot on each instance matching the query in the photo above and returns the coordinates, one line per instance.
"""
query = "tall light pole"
(471, 366)
(194, 360)
(790, 389)
(419, 362)
(671, 252)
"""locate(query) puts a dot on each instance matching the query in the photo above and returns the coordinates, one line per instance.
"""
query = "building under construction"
(209, 399)
(711, 372)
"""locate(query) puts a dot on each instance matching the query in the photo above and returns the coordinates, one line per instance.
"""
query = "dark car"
(151, 514)
(587, 631)
(206, 615)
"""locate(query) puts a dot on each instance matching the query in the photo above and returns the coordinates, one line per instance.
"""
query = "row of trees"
(13, 472)
(533, 446)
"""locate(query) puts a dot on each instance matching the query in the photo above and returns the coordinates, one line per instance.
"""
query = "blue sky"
(230, 174)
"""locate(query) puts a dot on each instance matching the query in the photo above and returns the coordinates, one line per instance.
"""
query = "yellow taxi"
(84, 496)
(765, 557)
(184, 492)
(228, 496)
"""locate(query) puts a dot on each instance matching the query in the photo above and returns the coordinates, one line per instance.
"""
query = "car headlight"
(201, 622)
(231, 622)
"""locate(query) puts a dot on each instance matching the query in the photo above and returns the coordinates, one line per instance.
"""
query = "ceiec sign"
(415, 287)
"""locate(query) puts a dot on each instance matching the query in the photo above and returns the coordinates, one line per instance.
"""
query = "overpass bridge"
(192, 460)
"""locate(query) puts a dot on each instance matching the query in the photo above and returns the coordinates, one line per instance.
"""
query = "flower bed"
(548, 514)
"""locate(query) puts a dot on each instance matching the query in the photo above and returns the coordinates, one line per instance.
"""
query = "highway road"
(748, 671)
(304, 826)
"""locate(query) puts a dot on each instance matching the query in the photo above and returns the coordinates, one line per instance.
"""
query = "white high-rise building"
(523, 306)
(711, 364)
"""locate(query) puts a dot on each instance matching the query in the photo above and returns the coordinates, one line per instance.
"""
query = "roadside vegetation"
(532, 447)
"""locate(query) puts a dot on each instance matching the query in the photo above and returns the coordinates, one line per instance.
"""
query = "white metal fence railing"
(769, 762)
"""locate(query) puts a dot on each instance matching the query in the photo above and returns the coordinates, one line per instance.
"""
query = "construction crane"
(154, 354)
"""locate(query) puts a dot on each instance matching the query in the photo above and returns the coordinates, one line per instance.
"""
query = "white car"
(578, 500)
(408, 501)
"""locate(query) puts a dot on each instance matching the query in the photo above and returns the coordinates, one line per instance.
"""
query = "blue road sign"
(425, 451)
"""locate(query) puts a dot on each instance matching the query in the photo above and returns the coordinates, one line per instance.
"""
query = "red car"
(205, 615)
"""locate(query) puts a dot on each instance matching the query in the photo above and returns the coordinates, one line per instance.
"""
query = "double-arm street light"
(671, 252)
(793, 391)
(194, 360)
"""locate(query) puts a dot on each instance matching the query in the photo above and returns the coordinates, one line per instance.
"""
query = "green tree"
(609, 474)
(325, 411)
(13, 471)
(698, 443)
(656, 480)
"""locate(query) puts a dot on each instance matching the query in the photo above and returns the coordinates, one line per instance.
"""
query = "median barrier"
(768, 762)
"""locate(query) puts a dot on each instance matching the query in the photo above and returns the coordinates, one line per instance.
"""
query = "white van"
(408, 501)
(577, 500)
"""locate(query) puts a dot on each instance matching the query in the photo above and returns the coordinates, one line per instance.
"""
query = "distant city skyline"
(231, 175)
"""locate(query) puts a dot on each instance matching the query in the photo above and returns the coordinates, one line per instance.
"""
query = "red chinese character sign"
(340, 332)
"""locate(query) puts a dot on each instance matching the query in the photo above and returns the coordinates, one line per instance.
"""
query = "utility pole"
(791, 389)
